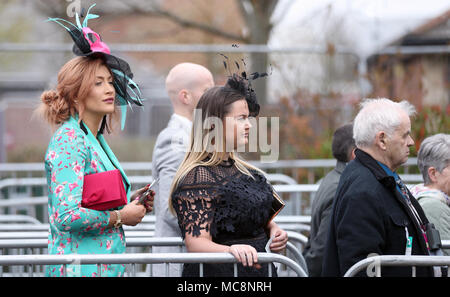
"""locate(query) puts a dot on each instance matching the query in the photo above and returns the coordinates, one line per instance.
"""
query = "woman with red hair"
(89, 89)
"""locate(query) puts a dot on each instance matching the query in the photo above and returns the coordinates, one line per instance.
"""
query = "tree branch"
(157, 11)
(200, 26)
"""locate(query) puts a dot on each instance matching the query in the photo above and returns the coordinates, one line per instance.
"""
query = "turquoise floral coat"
(72, 153)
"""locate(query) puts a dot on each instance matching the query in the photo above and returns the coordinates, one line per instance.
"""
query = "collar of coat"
(379, 173)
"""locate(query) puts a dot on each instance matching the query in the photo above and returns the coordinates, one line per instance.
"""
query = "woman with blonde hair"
(89, 89)
(223, 203)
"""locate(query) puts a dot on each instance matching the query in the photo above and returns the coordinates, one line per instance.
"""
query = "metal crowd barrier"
(295, 193)
(44, 234)
(132, 259)
(298, 199)
(28, 242)
(151, 219)
(20, 243)
(413, 261)
(39, 246)
(146, 230)
(28, 193)
(135, 180)
(133, 239)
(42, 243)
(29, 169)
(298, 238)
(23, 219)
(41, 182)
(14, 169)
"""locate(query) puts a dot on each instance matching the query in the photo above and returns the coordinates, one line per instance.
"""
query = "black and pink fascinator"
(88, 43)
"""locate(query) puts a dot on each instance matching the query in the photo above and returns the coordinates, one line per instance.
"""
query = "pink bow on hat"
(98, 45)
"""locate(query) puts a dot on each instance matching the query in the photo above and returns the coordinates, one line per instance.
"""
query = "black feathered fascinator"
(88, 43)
(241, 82)
(243, 86)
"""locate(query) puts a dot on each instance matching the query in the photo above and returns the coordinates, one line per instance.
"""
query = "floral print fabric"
(73, 229)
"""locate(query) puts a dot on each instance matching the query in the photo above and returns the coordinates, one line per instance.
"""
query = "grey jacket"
(320, 219)
(168, 153)
(436, 207)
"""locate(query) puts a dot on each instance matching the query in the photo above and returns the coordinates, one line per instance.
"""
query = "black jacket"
(369, 216)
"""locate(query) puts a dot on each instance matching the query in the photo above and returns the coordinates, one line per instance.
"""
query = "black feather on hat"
(242, 83)
(243, 86)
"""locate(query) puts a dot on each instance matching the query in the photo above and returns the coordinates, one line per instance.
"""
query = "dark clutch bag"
(277, 205)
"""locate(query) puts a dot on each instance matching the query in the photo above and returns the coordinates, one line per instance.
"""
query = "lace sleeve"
(194, 208)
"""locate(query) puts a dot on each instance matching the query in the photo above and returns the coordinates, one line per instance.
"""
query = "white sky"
(371, 24)
(370, 8)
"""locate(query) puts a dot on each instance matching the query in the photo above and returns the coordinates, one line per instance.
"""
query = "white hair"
(376, 115)
(434, 152)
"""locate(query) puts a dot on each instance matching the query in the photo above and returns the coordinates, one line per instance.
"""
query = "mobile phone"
(146, 193)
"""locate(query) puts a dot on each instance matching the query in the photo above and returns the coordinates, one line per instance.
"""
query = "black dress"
(232, 206)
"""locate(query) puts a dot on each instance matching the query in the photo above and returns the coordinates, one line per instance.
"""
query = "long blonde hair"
(214, 103)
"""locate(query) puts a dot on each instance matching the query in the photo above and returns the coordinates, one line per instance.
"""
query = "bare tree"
(257, 18)
(256, 15)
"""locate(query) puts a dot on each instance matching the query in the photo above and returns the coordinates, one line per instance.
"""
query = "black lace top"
(232, 206)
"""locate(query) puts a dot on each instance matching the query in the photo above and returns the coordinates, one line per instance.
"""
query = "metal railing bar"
(395, 260)
(139, 241)
(8, 260)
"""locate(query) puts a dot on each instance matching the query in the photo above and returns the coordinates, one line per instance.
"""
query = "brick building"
(415, 67)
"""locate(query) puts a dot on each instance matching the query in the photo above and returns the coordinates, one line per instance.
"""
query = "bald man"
(185, 84)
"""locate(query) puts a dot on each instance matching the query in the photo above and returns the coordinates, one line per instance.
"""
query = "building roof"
(434, 32)
(371, 25)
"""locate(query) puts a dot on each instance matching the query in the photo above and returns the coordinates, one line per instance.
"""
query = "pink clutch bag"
(103, 190)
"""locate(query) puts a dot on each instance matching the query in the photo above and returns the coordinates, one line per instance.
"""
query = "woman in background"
(433, 160)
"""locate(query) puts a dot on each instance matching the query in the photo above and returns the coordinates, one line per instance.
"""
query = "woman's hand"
(132, 214)
(246, 254)
(148, 200)
(280, 238)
